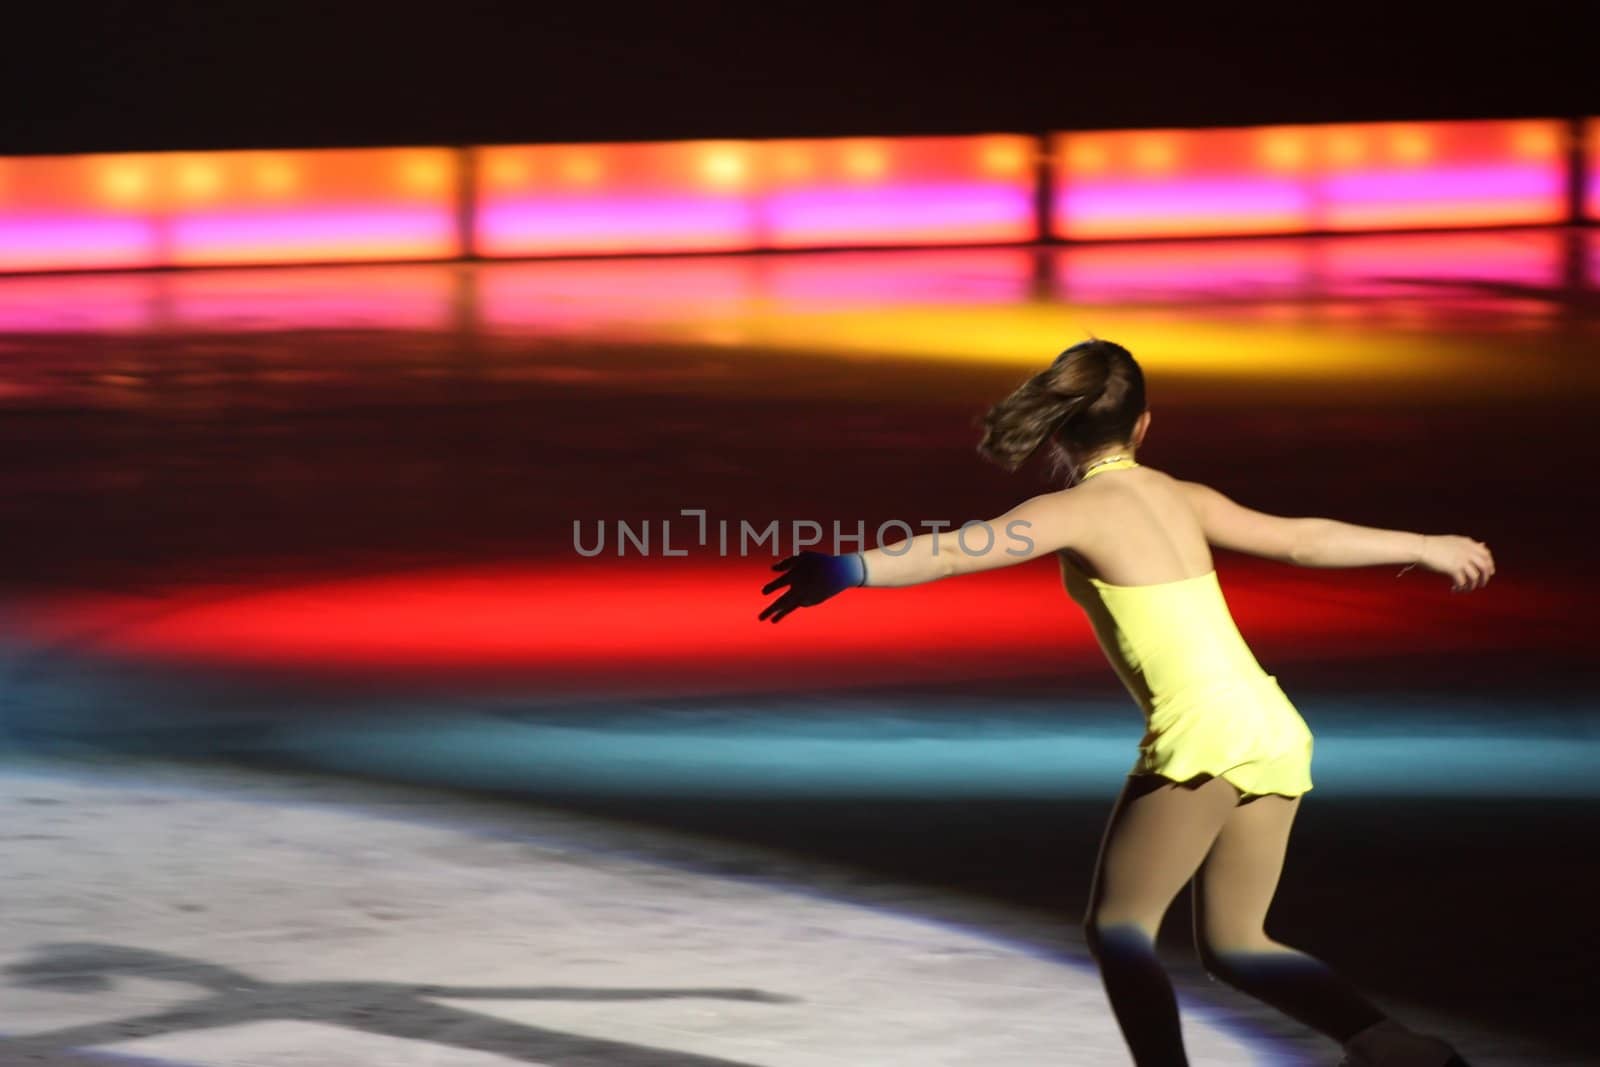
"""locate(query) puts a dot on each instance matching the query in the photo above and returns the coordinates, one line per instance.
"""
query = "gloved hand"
(812, 577)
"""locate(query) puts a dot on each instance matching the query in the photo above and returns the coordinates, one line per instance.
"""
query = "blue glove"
(812, 577)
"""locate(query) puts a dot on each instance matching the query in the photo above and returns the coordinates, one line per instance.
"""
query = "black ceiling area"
(122, 76)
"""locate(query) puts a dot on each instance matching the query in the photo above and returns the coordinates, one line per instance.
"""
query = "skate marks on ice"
(218, 923)
(384, 1008)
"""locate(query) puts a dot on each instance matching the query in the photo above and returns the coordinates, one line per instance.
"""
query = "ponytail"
(1091, 395)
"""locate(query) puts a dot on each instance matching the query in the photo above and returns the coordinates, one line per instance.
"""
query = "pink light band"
(620, 297)
(43, 243)
(1591, 194)
(614, 225)
(314, 236)
(238, 208)
(952, 214)
(1373, 177)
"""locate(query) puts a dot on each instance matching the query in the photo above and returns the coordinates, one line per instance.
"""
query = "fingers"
(785, 564)
(790, 600)
(1472, 575)
(1483, 562)
(780, 607)
(779, 611)
(1475, 568)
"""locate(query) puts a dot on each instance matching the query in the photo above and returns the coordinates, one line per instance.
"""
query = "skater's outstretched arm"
(1318, 542)
(1036, 527)
(1039, 526)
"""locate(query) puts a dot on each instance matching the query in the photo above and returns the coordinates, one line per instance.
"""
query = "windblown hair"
(1091, 396)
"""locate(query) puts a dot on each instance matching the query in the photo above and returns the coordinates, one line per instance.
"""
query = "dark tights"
(1162, 834)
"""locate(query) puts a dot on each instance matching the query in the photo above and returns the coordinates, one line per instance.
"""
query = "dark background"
(117, 76)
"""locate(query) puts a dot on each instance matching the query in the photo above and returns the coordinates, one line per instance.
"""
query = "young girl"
(1225, 756)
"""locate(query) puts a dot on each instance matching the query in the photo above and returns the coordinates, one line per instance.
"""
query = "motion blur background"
(322, 334)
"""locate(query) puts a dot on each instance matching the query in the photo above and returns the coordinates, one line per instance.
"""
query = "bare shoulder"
(1198, 494)
(1206, 502)
(1229, 524)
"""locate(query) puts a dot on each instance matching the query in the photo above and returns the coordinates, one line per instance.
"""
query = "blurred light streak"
(103, 303)
(612, 295)
(1176, 183)
(93, 212)
(1261, 348)
(1182, 208)
(593, 625)
(1182, 272)
(901, 191)
(227, 208)
(1241, 300)
(616, 225)
(1297, 179)
(619, 294)
(1479, 196)
(340, 205)
(383, 297)
(544, 200)
(900, 215)
(1373, 265)
(125, 182)
(959, 750)
(1591, 192)
(730, 299)
(400, 297)
(742, 196)
(968, 277)
(310, 237)
(198, 179)
(38, 243)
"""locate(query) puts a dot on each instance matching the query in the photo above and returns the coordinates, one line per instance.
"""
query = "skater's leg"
(1158, 833)
(1232, 892)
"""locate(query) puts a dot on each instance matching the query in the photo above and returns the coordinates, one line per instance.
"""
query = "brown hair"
(1092, 395)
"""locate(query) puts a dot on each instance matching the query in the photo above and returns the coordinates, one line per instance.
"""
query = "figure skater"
(1225, 757)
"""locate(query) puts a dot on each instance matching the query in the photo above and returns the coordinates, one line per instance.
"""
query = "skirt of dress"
(1245, 730)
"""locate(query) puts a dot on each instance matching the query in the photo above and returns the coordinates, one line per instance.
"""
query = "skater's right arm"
(1317, 542)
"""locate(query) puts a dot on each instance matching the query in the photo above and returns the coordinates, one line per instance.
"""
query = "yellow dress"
(1209, 706)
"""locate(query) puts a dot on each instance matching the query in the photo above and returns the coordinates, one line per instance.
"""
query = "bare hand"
(1467, 563)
